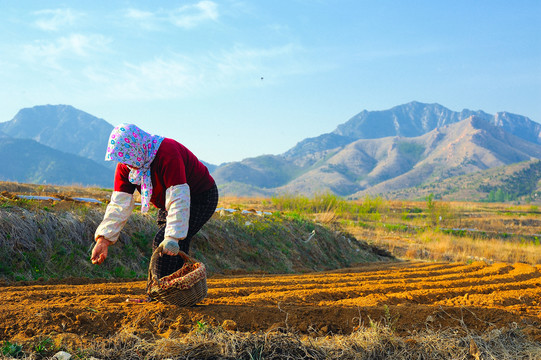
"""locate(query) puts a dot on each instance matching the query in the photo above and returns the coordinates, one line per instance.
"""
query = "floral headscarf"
(135, 148)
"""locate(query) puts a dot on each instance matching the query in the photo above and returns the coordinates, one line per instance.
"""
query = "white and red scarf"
(135, 148)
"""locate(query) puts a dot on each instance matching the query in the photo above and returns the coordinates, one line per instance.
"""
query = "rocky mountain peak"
(62, 127)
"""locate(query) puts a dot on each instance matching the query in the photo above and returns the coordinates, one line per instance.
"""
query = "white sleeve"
(116, 215)
(177, 204)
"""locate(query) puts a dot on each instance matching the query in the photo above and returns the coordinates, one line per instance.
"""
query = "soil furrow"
(410, 295)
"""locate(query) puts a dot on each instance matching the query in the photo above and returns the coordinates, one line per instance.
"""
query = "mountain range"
(374, 152)
(56, 144)
(63, 128)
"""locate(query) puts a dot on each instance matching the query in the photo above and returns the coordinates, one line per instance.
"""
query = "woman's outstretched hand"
(99, 253)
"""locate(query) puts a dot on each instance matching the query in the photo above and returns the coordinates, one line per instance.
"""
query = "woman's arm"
(177, 204)
(116, 215)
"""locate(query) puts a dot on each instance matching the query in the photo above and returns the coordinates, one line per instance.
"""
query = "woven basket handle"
(156, 254)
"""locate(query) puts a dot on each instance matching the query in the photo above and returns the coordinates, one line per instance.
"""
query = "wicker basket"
(185, 287)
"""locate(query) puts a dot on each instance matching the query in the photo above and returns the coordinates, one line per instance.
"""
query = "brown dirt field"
(408, 296)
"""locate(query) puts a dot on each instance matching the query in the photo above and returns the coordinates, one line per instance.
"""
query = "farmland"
(406, 298)
(430, 301)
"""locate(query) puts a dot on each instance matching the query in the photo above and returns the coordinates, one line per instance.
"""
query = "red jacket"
(173, 165)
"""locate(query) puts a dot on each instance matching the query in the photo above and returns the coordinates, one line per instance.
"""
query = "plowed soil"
(408, 296)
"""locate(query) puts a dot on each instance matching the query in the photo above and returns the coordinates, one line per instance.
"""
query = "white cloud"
(274, 63)
(55, 19)
(138, 14)
(145, 19)
(51, 53)
(178, 76)
(189, 16)
(155, 79)
(186, 16)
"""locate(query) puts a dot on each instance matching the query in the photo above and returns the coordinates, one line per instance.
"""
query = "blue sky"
(233, 79)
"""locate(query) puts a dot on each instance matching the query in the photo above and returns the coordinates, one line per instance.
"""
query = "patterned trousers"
(202, 207)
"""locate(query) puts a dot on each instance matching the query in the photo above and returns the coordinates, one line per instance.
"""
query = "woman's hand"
(169, 246)
(99, 253)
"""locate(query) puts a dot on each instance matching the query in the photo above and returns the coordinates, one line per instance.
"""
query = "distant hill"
(409, 120)
(380, 151)
(57, 131)
(64, 128)
(209, 166)
(510, 182)
(470, 145)
(375, 152)
(32, 162)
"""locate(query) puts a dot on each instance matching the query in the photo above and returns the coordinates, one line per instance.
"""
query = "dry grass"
(48, 190)
(328, 217)
(437, 246)
(37, 243)
(410, 229)
(456, 231)
(503, 232)
(378, 341)
(465, 249)
(53, 240)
